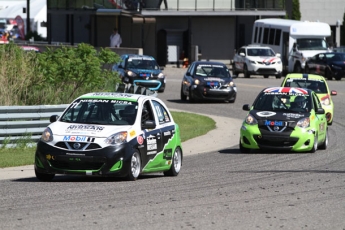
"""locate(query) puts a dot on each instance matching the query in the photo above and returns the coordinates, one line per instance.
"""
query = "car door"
(152, 143)
(320, 119)
(119, 67)
(240, 59)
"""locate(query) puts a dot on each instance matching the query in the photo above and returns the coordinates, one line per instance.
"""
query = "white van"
(296, 41)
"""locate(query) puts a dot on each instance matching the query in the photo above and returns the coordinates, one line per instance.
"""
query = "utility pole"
(28, 16)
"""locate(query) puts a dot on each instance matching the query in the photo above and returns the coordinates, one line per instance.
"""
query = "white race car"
(257, 60)
(110, 134)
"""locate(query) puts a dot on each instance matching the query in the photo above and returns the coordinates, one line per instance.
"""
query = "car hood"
(90, 130)
(145, 71)
(265, 59)
(273, 116)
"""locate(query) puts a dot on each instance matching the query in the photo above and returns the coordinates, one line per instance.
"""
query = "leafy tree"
(342, 32)
(296, 13)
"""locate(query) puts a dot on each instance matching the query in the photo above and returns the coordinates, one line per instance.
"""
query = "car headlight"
(117, 138)
(47, 135)
(196, 81)
(253, 62)
(304, 123)
(250, 120)
(131, 74)
(336, 67)
(160, 75)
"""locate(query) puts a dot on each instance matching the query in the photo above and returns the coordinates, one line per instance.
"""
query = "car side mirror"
(320, 111)
(246, 107)
(334, 93)
(294, 48)
(149, 124)
(242, 54)
(120, 66)
(188, 74)
(53, 118)
(161, 68)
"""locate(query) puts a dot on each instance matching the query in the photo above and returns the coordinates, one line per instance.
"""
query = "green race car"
(284, 118)
(316, 83)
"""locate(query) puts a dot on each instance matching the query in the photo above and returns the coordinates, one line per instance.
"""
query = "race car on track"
(133, 67)
(257, 60)
(208, 80)
(284, 118)
(316, 83)
(330, 65)
(110, 134)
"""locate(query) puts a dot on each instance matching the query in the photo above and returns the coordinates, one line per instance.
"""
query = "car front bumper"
(109, 161)
(206, 93)
(263, 69)
(299, 140)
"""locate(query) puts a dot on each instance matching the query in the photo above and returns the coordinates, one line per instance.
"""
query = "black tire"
(266, 76)
(190, 96)
(278, 76)
(44, 176)
(297, 68)
(135, 167)
(176, 163)
(328, 75)
(315, 145)
(243, 149)
(306, 70)
(183, 96)
(325, 142)
(161, 90)
(245, 72)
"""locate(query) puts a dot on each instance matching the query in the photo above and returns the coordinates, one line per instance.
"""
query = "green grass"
(191, 125)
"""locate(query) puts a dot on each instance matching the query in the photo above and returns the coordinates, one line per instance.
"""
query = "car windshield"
(101, 111)
(283, 102)
(209, 70)
(142, 63)
(335, 57)
(260, 52)
(319, 86)
(311, 44)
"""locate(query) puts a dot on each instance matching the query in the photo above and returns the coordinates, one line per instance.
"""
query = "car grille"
(76, 166)
(266, 63)
(266, 70)
(275, 141)
(83, 146)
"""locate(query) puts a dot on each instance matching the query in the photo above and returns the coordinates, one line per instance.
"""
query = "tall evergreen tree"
(296, 13)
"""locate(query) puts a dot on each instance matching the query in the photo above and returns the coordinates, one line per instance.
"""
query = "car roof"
(208, 63)
(116, 96)
(290, 90)
(137, 56)
(304, 75)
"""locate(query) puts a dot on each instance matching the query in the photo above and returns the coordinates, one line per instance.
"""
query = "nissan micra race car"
(257, 60)
(110, 134)
(284, 118)
(316, 83)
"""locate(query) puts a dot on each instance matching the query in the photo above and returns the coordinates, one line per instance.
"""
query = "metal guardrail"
(22, 123)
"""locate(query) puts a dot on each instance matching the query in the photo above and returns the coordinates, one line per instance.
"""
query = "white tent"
(38, 13)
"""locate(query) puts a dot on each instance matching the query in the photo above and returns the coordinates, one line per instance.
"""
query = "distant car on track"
(316, 83)
(284, 118)
(110, 135)
(133, 67)
(208, 80)
(257, 60)
(330, 65)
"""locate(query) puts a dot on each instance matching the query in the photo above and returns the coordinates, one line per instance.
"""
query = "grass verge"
(191, 125)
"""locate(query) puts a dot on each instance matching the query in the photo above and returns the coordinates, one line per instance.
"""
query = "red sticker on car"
(140, 140)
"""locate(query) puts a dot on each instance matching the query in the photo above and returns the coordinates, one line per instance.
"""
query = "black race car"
(207, 80)
(330, 65)
(134, 67)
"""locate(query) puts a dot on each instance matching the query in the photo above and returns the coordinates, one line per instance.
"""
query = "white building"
(38, 13)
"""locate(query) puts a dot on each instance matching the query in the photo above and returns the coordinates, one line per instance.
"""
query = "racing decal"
(132, 133)
(286, 90)
(265, 114)
(274, 123)
(151, 143)
(293, 115)
(78, 138)
(140, 140)
(167, 133)
(268, 61)
(322, 126)
(94, 128)
(112, 94)
(122, 102)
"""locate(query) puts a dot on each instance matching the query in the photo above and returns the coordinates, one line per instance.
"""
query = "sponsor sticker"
(140, 140)
(265, 114)
(274, 123)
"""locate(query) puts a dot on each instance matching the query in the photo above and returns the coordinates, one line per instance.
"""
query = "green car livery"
(284, 118)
